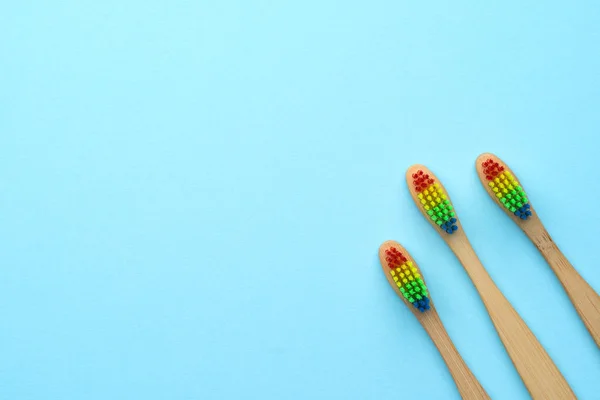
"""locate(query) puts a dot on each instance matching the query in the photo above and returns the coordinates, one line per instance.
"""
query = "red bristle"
(420, 172)
(489, 178)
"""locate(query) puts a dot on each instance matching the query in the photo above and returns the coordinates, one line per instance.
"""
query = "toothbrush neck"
(468, 258)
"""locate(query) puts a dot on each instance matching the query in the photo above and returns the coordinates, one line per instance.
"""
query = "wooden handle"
(583, 297)
(541, 377)
(468, 386)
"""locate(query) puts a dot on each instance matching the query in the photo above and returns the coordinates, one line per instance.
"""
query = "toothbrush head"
(404, 276)
(503, 186)
(432, 199)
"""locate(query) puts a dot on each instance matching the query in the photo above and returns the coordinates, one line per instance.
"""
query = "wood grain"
(537, 370)
(467, 384)
(583, 297)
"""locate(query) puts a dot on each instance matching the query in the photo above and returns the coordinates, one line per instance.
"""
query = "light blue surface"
(192, 193)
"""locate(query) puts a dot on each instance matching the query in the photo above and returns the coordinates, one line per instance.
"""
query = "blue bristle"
(449, 226)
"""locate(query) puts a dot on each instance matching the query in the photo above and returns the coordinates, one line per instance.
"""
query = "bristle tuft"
(507, 189)
(408, 279)
(421, 181)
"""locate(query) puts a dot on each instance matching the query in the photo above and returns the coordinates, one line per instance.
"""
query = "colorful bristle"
(408, 279)
(506, 188)
(435, 202)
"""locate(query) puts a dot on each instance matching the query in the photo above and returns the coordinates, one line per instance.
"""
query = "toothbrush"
(406, 279)
(504, 188)
(541, 377)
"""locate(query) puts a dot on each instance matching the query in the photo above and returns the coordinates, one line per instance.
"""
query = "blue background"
(192, 193)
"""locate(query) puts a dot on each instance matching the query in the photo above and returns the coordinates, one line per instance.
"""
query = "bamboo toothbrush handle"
(583, 297)
(537, 370)
(468, 386)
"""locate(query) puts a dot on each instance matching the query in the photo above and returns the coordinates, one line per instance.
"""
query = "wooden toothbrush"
(406, 279)
(502, 185)
(542, 378)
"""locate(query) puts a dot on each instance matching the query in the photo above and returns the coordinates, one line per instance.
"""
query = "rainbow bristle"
(506, 188)
(408, 279)
(435, 202)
